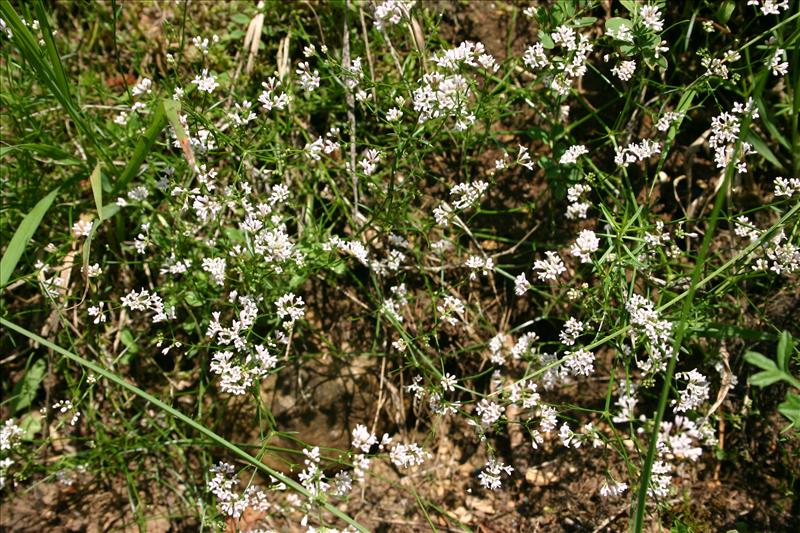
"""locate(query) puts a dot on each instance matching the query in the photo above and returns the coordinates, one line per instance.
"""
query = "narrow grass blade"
(94, 367)
(21, 237)
(96, 179)
(49, 69)
(142, 148)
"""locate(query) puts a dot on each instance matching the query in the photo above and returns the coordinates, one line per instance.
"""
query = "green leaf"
(790, 408)
(762, 148)
(31, 424)
(725, 11)
(193, 299)
(784, 345)
(630, 5)
(584, 21)
(142, 148)
(96, 180)
(546, 40)
(766, 377)
(240, 18)
(756, 359)
(21, 237)
(615, 23)
(26, 389)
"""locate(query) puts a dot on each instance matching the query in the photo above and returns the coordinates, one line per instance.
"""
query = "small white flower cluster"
(216, 267)
(570, 157)
(636, 152)
(202, 43)
(65, 407)
(327, 145)
(612, 490)
(468, 195)
(787, 187)
(146, 301)
(223, 485)
(770, 7)
(391, 12)
(647, 323)
(572, 330)
(309, 80)
(521, 284)
(466, 53)
(561, 69)
(524, 345)
(354, 248)
(408, 455)
(716, 66)
(272, 97)
(667, 120)
(725, 129)
(651, 17)
(96, 312)
(369, 162)
(143, 86)
(394, 304)
(550, 268)
(489, 477)
(10, 435)
(627, 404)
(447, 94)
(205, 82)
(449, 309)
(578, 205)
(778, 64)
(586, 244)
(496, 345)
(523, 394)
(83, 227)
(312, 478)
(242, 114)
(580, 362)
(10, 438)
(238, 374)
(476, 264)
(489, 411)
(291, 308)
(695, 393)
(624, 70)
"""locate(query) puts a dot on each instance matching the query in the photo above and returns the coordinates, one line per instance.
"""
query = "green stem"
(644, 482)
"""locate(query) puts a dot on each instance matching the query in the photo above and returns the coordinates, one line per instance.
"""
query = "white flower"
(216, 267)
(407, 455)
(448, 382)
(82, 228)
(205, 82)
(142, 86)
(695, 393)
(490, 476)
(572, 154)
(779, 67)
(363, 439)
(290, 306)
(580, 362)
(394, 114)
(489, 411)
(521, 284)
(550, 268)
(651, 18)
(613, 490)
(10, 435)
(450, 307)
(624, 70)
(788, 188)
(586, 244)
(96, 311)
